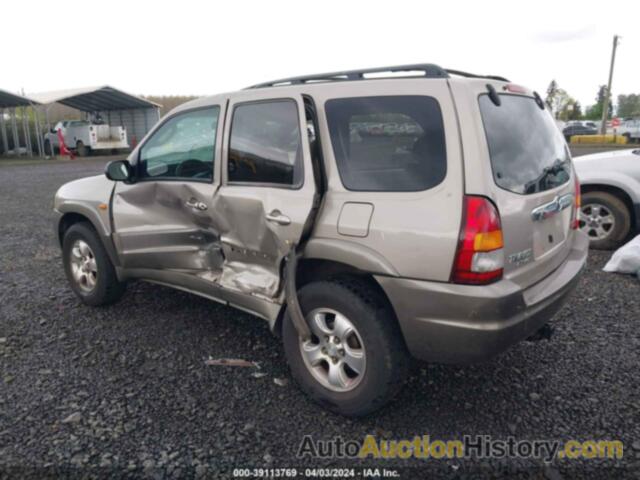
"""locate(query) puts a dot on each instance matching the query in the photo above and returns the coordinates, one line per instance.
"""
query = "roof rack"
(429, 70)
(473, 75)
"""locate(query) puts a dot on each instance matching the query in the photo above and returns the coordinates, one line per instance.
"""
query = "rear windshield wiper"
(558, 167)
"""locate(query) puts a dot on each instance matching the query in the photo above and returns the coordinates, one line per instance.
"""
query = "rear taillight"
(575, 224)
(480, 255)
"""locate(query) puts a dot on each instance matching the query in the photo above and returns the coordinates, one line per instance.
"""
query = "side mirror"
(118, 171)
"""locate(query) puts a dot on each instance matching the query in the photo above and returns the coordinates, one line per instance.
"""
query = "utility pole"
(607, 97)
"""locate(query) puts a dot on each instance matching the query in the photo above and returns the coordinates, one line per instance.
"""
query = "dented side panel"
(256, 246)
(155, 228)
(228, 249)
(253, 246)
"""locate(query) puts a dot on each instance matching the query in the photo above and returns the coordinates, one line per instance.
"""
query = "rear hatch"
(532, 183)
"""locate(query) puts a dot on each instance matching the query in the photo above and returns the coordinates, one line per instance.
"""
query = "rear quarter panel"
(414, 233)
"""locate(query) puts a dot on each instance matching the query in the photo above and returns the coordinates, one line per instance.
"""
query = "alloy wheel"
(83, 266)
(335, 353)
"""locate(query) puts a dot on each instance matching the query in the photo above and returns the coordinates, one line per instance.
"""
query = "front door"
(162, 221)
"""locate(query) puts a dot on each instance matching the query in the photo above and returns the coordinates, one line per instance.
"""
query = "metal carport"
(12, 102)
(116, 107)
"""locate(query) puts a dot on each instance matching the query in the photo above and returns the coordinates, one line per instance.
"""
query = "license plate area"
(549, 233)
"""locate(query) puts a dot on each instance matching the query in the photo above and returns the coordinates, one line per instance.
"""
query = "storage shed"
(117, 108)
(10, 141)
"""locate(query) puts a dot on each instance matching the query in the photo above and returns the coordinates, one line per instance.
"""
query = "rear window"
(393, 143)
(528, 152)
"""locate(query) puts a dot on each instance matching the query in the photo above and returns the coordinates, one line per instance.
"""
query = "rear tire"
(82, 149)
(599, 204)
(386, 359)
(98, 285)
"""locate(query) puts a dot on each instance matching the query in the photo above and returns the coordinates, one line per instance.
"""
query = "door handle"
(276, 217)
(193, 203)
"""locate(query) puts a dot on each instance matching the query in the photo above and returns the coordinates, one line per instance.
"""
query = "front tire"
(605, 219)
(89, 270)
(356, 360)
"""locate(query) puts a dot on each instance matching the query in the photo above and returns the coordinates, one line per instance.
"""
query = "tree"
(628, 105)
(552, 91)
(576, 111)
(570, 110)
(561, 104)
(594, 112)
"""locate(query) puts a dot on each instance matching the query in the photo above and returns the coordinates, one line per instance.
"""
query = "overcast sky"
(198, 48)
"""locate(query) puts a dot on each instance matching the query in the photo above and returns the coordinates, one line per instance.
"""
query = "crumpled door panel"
(229, 244)
(252, 249)
(155, 229)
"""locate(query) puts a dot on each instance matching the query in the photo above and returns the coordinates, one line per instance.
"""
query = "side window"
(184, 147)
(265, 144)
(388, 144)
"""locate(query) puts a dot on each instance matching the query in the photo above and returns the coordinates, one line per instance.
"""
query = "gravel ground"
(124, 390)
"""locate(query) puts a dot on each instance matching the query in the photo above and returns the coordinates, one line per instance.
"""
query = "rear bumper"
(450, 323)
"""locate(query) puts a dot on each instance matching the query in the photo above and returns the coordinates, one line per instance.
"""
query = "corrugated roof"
(9, 100)
(90, 99)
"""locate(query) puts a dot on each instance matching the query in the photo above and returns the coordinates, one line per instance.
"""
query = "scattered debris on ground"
(230, 362)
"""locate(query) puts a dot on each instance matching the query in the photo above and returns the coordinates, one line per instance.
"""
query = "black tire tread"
(109, 289)
(399, 360)
(391, 329)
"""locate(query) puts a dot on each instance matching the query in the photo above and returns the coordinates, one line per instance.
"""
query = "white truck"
(630, 129)
(84, 137)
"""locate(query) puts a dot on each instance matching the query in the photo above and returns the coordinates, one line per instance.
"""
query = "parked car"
(610, 209)
(584, 123)
(84, 137)
(578, 129)
(362, 251)
(631, 130)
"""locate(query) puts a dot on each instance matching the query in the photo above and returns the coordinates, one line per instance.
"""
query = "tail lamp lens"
(480, 255)
(577, 203)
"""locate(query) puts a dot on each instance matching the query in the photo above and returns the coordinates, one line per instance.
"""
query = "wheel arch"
(321, 269)
(69, 219)
(72, 217)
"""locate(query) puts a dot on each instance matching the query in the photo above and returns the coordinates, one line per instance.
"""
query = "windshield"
(528, 153)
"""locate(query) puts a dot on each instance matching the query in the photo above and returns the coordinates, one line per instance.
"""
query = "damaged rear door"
(162, 220)
(267, 190)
